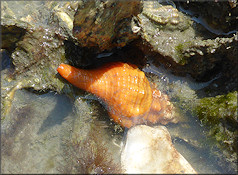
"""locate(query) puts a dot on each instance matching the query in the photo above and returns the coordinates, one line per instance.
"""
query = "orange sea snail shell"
(126, 91)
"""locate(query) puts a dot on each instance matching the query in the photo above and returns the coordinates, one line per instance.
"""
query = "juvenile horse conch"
(125, 89)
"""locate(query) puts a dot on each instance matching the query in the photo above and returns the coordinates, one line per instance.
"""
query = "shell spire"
(126, 91)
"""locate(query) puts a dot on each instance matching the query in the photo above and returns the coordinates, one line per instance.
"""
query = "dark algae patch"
(219, 114)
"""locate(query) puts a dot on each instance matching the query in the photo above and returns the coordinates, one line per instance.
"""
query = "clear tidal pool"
(38, 134)
(35, 132)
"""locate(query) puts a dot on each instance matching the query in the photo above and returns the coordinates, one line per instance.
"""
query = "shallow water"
(202, 21)
(33, 132)
(185, 133)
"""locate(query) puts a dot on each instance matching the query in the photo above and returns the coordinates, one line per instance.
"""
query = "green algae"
(219, 114)
(180, 49)
(212, 110)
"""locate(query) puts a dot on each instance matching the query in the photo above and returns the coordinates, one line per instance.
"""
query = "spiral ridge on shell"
(126, 91)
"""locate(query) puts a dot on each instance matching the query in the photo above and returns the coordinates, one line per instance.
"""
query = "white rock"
(150, 150)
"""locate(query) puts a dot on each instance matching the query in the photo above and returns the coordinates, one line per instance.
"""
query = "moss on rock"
(219, 114)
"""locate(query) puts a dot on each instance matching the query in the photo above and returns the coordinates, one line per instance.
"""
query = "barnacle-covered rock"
(11, 33)
(62, 16)
(105, 24)
(56, 16)
(203, 58)
(13, 25)
(35, 44)
(182, 45)
(166, 16)
(35, 59)
(163, 27)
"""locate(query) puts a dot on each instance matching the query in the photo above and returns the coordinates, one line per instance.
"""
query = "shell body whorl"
(123, 87)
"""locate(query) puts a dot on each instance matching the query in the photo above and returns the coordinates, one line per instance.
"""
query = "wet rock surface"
(35, 67)
(65, 137)
(35, 44)
(221, 20)
(181, 44)
(105, 24)
(163, 27)
(31, 137)
(91, 148)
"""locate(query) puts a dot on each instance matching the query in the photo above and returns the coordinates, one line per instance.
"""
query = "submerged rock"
(90, 148)
(219, 114)
(150, 150)
(180, 43)
(105, 24)
(32, 133)
(35, 61)
(35, 43)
